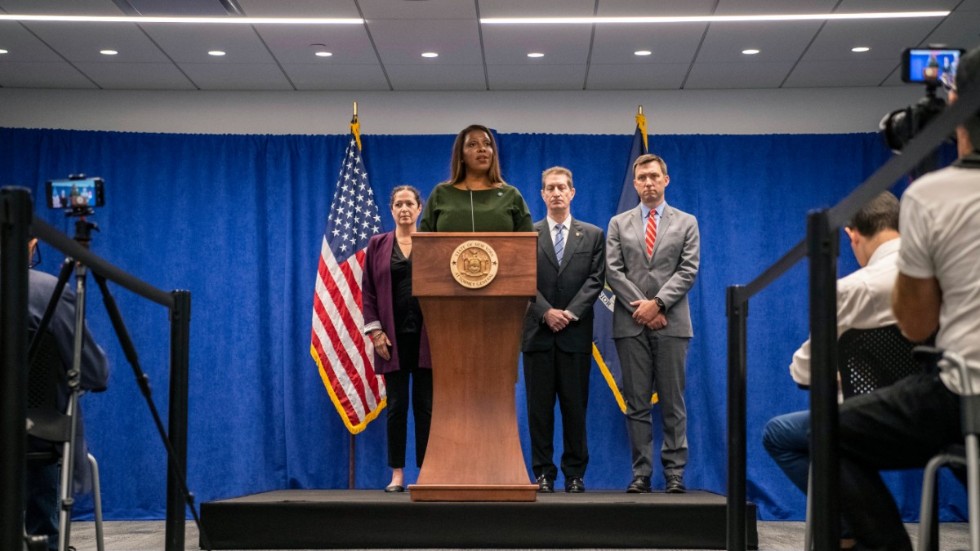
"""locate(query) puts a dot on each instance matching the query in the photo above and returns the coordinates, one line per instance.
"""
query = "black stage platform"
(371, 519)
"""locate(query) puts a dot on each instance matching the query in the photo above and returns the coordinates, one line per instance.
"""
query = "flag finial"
(355, 127)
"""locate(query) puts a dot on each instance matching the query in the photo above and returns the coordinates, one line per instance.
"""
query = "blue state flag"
(603, 346)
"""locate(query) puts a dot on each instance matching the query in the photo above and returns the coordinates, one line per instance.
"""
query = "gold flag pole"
(355, 127)
(641, 123)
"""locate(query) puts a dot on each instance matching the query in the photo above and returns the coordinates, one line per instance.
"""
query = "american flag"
(341, 350)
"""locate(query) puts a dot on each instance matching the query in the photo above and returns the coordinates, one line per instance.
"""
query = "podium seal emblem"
(474, 264)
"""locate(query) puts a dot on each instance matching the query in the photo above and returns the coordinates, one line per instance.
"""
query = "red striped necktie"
(651, 236)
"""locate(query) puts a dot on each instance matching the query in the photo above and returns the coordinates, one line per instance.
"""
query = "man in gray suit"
(557, 340)
(652, 256)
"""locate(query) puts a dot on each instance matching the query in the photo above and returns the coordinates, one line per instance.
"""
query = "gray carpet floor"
(149, 535)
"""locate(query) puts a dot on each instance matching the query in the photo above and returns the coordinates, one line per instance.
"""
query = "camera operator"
(938, 287)
(41, 496)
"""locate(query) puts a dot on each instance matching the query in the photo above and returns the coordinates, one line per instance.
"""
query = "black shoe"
(639, 485)
(675, 484)
(545, 485)
(574, 485)
(394, 488)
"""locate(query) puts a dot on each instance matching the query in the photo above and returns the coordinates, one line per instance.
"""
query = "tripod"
(83, 236)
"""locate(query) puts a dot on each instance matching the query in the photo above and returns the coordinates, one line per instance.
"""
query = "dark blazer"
(574, 286)
(377, 304)
(669, 274)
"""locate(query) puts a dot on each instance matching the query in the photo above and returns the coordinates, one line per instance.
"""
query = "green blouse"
(498, 209)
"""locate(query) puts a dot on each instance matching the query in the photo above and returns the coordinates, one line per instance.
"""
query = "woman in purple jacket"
(393, 319)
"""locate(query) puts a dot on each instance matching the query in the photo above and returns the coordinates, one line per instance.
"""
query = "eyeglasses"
(35, 257)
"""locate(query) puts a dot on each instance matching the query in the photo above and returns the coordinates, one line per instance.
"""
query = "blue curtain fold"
(238, 221)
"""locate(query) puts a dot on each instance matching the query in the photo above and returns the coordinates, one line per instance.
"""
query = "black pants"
(901, 426)
(397, 383)
(564, 375)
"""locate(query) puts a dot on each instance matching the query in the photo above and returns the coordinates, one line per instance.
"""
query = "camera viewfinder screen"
(66, 194)
(929, 65)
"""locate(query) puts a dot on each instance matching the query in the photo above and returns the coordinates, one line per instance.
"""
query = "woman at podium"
(475, 198)
(401, 352)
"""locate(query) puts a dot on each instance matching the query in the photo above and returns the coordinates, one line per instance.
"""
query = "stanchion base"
(473, 492)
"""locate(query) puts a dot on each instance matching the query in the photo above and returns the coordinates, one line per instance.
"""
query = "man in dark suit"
(557, 340)
(652, 257)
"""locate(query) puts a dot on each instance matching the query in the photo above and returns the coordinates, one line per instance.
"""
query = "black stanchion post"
(180, 320)
(822, 249)
(15, 218)
(737, 309)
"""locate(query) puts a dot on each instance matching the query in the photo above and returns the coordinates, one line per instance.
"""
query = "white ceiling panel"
(42, 75)
(668, 43)
(537, 76)
(887, 40)
(411, 9)
(850, 6)
(437, 78)
(299, 8)
(335, 76)
(823, 73)
(510, 44)
(783, 42)
(191, 43)
(961, 29)
(402, 43)
(648, 8)
(537, 8)
(756, 74)
(236, 76)
(24, 46)
(82, 44)
(294, 44)
(70, 7)
(649, 76)
(136, 76)
(758, 7)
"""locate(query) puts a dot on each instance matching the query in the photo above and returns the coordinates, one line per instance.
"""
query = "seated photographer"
(904, 425)
(41, 492)
(863, 302)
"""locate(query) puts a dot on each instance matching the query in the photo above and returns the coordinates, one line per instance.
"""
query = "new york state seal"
(473, 264)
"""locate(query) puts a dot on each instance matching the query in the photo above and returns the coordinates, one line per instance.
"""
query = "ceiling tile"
(236, 76)
(433, 77)
(136, 76)
(188, 8)
(760, 74)
(42, 75)
(294, 44)
(191, 43)
(336, 76)
(24, 46)
(457, 42)
(668, 43)
(759, 7)
(634, 8)
(536, 77)
(887, 39)
(851, 6)
(418, 10)
(510, 44)
(299, 8)
(853, 72)
(537, 8)
(68, 7)
(960, 30)
(782, 42)
(649, 76)
(82, 43)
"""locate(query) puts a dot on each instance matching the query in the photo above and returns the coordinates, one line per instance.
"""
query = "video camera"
(929, 66)
(77, 194)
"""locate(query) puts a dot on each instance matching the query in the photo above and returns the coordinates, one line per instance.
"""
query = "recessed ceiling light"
(750, 51)
(108, 52)
(535, 54)
(642, 52)
(860, 49)
(430, 54)
(323, 53)
(3, 52)
(216, 53)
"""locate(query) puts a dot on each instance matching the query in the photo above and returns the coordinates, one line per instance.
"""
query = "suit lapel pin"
(578, 234)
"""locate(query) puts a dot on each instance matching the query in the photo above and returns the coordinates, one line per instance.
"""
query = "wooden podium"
(474, 328)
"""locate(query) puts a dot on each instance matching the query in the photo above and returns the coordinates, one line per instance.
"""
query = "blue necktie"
(559, 242)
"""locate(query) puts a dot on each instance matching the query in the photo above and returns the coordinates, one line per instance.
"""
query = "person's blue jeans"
(41, 502)
(787, 439)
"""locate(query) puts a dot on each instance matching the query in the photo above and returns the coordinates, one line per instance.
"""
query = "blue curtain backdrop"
(238, 220)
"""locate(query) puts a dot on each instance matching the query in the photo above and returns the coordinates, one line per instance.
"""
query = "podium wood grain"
(474, 450)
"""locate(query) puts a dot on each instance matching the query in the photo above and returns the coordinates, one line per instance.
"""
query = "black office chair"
(869, 359)
(965, 455)
(49, 422)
